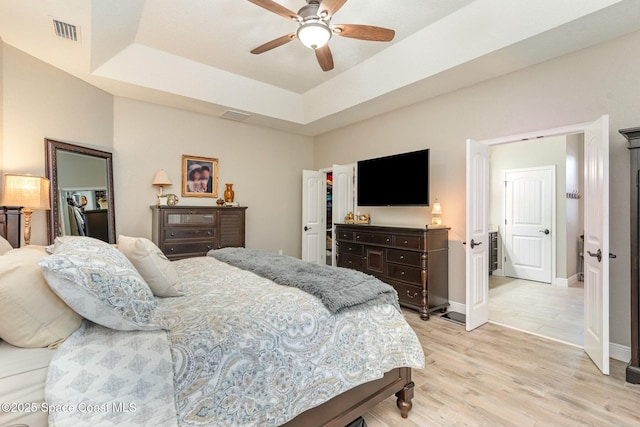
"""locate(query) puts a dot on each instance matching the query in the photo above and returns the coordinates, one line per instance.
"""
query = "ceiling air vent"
(65, 30)
(235, 115)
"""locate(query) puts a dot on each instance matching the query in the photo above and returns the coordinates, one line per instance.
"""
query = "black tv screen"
(398, 180)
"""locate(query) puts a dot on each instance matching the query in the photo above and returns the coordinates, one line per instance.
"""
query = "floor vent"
(235, 115)
(65, 30)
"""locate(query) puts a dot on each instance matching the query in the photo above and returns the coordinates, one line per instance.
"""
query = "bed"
(212, 355)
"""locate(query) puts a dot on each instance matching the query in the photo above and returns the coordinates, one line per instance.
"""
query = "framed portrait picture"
(199, 176)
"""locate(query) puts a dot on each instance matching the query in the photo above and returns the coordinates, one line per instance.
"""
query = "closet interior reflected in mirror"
(81, 191)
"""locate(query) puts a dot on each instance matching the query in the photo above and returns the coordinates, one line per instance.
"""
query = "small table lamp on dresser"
(29, 192)
(160, 179)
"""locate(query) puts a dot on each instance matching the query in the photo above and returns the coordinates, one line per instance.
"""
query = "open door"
(343, 198)
(313, 226)
(596, 242)
(477, 235)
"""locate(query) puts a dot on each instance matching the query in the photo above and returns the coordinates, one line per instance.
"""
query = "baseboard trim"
(619, 352)
(457, 307)
(565, 283)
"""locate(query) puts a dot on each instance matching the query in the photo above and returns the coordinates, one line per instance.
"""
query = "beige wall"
(264, 165)
(40, 101)
(572, 89)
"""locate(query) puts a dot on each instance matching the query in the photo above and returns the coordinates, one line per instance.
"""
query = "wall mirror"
(81, 191)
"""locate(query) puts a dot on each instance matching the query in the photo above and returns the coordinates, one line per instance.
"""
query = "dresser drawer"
(404, 257)
(350, 248)
(345, 235)
(381, 239)
(408, 294)
(178, 249)
(174, 233)
(353, 262)
(409, 242)
(404, 273)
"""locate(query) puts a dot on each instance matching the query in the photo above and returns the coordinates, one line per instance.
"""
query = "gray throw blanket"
(337, 288)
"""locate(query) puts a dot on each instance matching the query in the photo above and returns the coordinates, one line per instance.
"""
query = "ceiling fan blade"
(364, 32)
(325, 59)
(331, 6)
(276, 8)
(274, 43)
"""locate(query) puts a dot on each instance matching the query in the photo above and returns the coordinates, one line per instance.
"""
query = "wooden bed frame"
(337, 412)
(348, 406)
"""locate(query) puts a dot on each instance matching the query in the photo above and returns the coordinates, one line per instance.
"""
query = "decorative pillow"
(31, 315)
(5, 246)
(156, 269)
(100, 284)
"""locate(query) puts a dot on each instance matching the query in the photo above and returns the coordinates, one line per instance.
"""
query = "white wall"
(40, 101)
(264, 165)
(572, 89)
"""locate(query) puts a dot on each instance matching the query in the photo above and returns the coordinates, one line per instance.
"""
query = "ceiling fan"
(315, 28)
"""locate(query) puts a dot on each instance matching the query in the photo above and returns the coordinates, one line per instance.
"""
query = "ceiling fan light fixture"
(314, 35)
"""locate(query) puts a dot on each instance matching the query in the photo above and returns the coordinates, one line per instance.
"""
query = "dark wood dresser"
(190, 231)
(413, 260)
(633, 369)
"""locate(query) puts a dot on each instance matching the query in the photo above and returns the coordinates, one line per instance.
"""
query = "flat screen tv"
(398, 180)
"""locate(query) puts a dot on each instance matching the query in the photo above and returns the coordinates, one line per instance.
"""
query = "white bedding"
(245, 352)
(22, 379)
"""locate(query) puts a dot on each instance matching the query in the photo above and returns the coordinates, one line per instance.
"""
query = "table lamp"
(28, 192)
(436, 211)
(160, 179)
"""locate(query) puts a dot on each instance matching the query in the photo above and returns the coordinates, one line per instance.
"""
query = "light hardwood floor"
(551, 311)
(496, 376)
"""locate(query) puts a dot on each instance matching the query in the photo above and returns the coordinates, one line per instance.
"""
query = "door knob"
(474, 244)
(545, 231)
(307, 228)
(596, 255)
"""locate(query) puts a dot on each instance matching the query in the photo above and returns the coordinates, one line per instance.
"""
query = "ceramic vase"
(229, 193)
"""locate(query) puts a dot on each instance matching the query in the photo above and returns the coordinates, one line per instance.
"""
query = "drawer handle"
(172, 249)
(208, 233)
(172, 234)
(406, 242)
(402, 273)
(209, 247)
(388, 240)
(412, 296)
(401, 256)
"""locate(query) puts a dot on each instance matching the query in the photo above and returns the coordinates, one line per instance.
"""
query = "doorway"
(536, 210)
(596, 232)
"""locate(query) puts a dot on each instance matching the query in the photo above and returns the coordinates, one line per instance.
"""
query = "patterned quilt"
(244, 352)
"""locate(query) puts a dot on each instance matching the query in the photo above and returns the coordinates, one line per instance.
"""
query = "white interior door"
(313, 217)
(477, 235)
(529, 206)
(596, 243)
(342, 198)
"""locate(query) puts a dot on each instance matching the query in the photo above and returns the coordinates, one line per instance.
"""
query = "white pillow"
(156, 269)
(5, 246)
(100, 284)
(31, 315)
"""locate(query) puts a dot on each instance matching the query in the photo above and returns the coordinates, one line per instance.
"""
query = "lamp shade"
(314, 35)
(161, 178)
(437, 209)
(27, 191)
